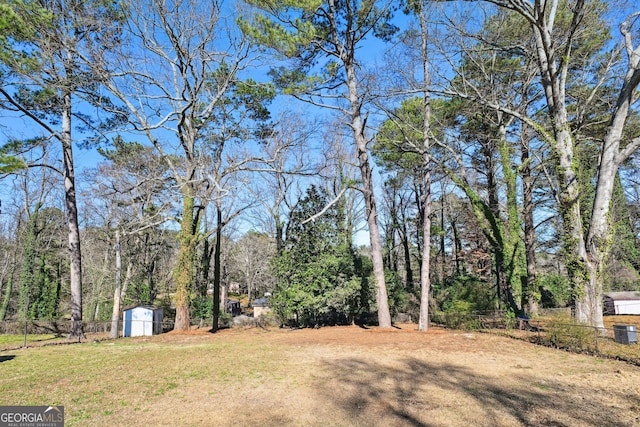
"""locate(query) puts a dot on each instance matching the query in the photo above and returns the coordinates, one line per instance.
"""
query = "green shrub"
(555, 290)
(398, 297)
(202, 308)
(224, 319)
(569, 334)
(457, 320)
(464, 294)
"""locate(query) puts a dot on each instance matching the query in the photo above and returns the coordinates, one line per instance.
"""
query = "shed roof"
(147, 307)
(261, 302)
(623, 296)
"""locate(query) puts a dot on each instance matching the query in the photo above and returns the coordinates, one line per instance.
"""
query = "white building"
(622, 302)
(142, 321)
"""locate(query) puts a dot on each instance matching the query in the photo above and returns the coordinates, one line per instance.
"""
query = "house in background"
(232, 306)
(622, 303)
(142, 321)
(261, 306)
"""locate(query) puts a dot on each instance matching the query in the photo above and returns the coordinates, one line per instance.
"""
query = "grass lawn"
(342, 376)
(12, 341)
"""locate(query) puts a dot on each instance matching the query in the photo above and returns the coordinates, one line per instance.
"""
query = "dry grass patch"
(332, 376)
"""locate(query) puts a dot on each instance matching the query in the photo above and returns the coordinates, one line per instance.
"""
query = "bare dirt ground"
(338, 376)
(626, 319)
(373, 377)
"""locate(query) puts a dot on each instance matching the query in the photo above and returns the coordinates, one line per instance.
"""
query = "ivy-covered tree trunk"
(185, 268)
(529, 287)
(585, 258)
(28, 264)
(514, 260)
(497, 235)
(7, 297)
(601, 233)
(574, 248)
(569, 190)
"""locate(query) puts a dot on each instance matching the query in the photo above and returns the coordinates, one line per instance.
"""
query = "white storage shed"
(142, 321)
(622, 303)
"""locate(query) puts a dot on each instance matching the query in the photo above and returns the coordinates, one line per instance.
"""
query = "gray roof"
(623, 296)
(261, 302)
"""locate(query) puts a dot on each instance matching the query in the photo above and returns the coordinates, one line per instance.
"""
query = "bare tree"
(276, 184)
(184, 62)
(250, 263)
(339, 171)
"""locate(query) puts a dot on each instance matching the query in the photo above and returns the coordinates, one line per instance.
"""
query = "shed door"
(126, 324)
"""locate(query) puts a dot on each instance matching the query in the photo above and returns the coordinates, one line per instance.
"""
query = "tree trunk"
(77, 329)
(28, 263)
(529, 288)
(388, 251)
(216, 271)
(7, 297)
(574, 244)
(115, 314)
(127, 280)
(99, 286)
(489, 218)
(600, 236)
(417, 185)
(183, 273)
(457, 249)
(514, 255)
(553, 73)
(357, 125)
(443, 246)
(384, 316)
(10, 271)
(425, 283)
(407, 255)
(279, 234)
(205, 266)
(223, 297)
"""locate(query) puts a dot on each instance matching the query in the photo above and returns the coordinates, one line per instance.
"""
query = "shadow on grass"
(411, 394)
(7, 358)
(56, 337)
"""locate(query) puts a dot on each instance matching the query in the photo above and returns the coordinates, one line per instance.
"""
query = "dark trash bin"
(625, 334)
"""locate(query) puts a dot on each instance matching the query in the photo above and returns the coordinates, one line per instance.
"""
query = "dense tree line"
(488, 151)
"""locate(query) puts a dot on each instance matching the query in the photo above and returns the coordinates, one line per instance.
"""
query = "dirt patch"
(356, 376)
